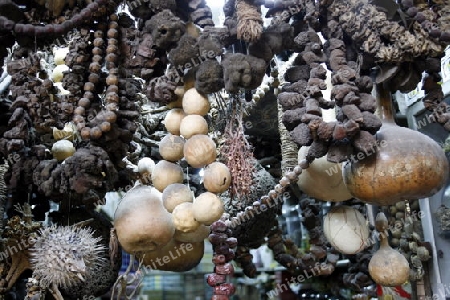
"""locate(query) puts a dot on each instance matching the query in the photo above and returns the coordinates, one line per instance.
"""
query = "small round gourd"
(173, 119)
(208, 208)
(195, 103)
(175, 194)
(62, 149)
(171, 147)
(346, 229)
(217, 177)
(166, 173)
(192, 125)
(200, 150)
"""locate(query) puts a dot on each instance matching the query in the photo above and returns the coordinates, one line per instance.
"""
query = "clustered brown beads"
(286, 252)
(434, 20)
(101, 123)
(223, 253)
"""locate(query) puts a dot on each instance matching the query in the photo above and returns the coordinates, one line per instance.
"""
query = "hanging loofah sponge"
(64, 256)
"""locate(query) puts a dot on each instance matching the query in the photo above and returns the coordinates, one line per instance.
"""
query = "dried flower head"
(65, 255)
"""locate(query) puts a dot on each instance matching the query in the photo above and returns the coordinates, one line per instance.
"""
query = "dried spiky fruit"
(65, 255)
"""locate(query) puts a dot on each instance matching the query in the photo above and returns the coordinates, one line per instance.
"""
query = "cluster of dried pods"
(102, 106)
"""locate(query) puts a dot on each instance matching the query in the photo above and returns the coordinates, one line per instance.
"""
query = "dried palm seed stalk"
(237, 154)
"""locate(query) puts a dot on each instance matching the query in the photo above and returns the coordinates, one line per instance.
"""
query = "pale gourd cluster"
(164, 216)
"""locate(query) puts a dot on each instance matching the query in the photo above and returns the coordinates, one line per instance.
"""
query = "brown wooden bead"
(110, 117)
(304, 164)
(218, 226)
(94, 78)
(291, 176)
(110, 65)
(81, 125)
(112, 106)
(79, 111)
(98, 34)
(298, 170)
(85, 133)
(232, 242)
(111, 49)
(278, 188)
(284, 181)
(217, 238)
(89, 95)
(84, 102)
(95, 67)
(112, 33)
(97, 51)
(112, 98)
(105, 126)
(111, 57)
(272, 194)
(99, 42)
(97, 58)
(113, 42)
(95, 133)
(78, 119)
(112, 80)
(112, 89)
(114, 71)
(89, 86)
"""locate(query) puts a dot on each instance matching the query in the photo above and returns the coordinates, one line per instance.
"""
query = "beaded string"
(101, 123)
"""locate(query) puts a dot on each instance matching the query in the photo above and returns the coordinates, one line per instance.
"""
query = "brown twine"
(250, 23)
(289, 149)
(3, 194)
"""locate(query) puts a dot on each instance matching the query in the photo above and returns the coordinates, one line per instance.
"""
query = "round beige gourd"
(171, 147)
(323, 179)
(165, 173)
(141, 221)
(198, 235)
(387, 267)
(208, 208)
(346, 229)
(217, 177)
(175, 256)
(192, 125)
(200, 150)
(176, 193)
(195, 103)
(63, 149)
(173, 119)
(183, 217)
